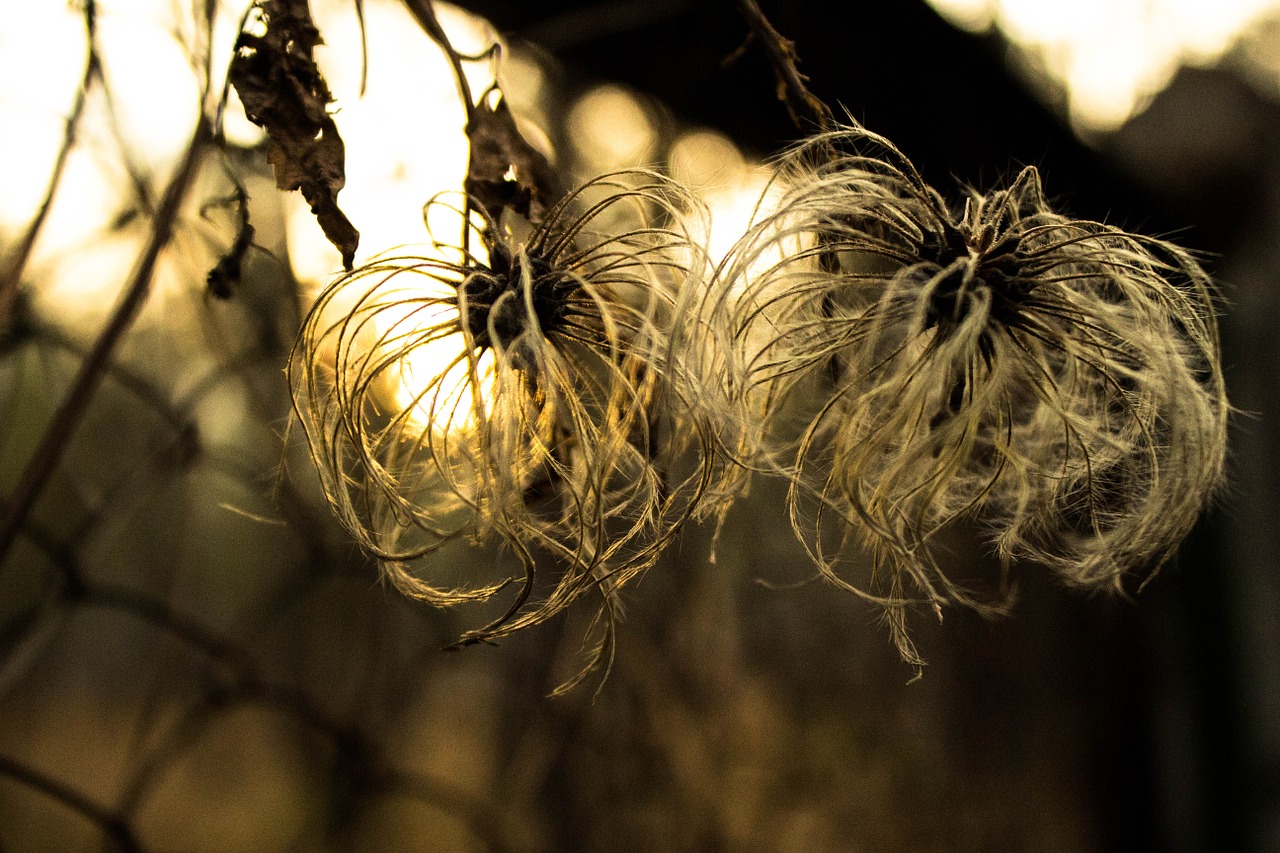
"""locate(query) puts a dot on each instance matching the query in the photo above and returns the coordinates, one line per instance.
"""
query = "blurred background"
(194, 656)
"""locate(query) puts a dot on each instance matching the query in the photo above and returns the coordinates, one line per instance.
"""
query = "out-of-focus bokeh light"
(1257, 55)
(524, 84)
(435, 385)
(38, 82)
(402, 125)
(705, 160)
(1112, 56)
(404, 133)
(155, 85)
(973, 15)
(405, 145)
(96, 224)
(527, 90)
(611, 129)
(737, 193)
(741, 197)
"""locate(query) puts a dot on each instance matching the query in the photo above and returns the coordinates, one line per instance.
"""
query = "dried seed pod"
(528, 394)
(1057, 381)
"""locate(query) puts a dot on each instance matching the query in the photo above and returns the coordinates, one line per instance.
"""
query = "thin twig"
(47, 455)
(424, 13)
(112, 825)
(504, 172)
(11, 273)
(182, 626)
(802, 105)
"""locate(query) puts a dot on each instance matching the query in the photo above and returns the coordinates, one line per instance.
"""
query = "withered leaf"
(505, 171)
(275, 74)
(225, 276)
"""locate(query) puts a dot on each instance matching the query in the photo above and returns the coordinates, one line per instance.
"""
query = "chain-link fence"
(194, 655)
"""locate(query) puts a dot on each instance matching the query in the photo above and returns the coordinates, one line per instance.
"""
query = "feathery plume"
(1057, 381)
(528, 393)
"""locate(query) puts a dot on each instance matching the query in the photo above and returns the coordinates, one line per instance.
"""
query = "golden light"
(738, 194)
(38, 83)
(1258, 56)
(705, 161)
(96, 224)
(434, 382)
(403, 133)
(156, 90)
(524, 84)
(611, 129)
(1112, 56)
(972, 15)
(402, 128)
(405, 145)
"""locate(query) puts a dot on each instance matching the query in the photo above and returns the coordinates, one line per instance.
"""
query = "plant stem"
(11, 272)
(802, 105)
(71, 411)
(425, 14)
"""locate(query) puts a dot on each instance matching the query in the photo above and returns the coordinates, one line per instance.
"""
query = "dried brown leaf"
(505, 171)
(283, 92)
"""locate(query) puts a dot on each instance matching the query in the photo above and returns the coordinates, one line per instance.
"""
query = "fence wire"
(194, 656)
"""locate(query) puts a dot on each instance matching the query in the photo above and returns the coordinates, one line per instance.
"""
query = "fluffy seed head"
(527, 394)
(1056, 381)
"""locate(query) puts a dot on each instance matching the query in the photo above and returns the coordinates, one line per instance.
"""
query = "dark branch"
(49, 452)
(11, 272)
(112, 825)
(807, 111)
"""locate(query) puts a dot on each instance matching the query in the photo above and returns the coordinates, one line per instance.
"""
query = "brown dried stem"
(425, 14)
(47, 455)
(11, 272)
(807, 111)
(504, 172)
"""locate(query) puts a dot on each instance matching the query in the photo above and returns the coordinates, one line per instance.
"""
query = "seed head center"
(496, 298)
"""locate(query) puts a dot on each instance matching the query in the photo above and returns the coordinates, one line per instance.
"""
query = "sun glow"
(123, 149)
(611, 129)
(403, 133)
(437, 383)
(1112, 56)
(405, 146)
(738, 194)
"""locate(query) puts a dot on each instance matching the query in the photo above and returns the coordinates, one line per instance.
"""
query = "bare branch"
(425, 14)
(11, 272)
(112, 825)
(47, 455)
(503, 170)
(807, 111)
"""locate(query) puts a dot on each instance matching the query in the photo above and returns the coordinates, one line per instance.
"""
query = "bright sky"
(404, 134)
(1112, 56)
